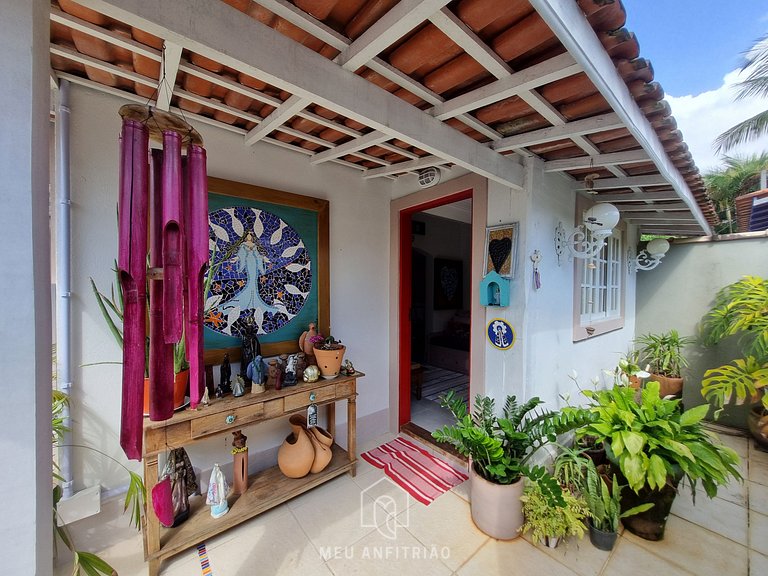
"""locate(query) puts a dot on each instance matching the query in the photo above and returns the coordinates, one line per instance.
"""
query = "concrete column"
(25, 289)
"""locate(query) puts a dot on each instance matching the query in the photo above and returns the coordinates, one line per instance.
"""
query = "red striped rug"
(414, 469)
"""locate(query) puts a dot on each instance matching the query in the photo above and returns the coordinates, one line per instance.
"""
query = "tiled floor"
(344, 528)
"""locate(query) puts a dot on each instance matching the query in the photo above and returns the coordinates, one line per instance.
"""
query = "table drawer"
(235, 418)
(296, 401)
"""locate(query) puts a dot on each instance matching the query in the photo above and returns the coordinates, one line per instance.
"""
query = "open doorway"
(436, 259)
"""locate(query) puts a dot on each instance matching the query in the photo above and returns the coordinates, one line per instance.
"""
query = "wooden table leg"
(352, 432)
(152, 524)
(331, 415)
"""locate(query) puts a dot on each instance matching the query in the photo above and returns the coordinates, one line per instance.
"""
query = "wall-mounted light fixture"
(587, 239)
(649, 258)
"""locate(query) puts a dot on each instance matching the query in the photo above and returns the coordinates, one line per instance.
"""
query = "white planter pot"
(496, 508)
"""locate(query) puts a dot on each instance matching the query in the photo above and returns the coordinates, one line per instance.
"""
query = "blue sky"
(692, 44)
(695, 47)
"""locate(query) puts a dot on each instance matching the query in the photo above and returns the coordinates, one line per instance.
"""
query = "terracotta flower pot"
(496, 508)
(329, 361)
(757, 420)
(180, 382)
(296, 454)
(668, 386)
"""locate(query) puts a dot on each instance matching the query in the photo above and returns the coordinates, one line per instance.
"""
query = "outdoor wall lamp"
(649, 258)
(587, 239)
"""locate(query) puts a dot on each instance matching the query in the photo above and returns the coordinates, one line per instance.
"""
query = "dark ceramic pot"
(650, 524)
(602, 540)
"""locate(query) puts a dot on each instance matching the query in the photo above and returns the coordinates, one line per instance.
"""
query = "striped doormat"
(414, 469)
(437, 382)
(205, 564)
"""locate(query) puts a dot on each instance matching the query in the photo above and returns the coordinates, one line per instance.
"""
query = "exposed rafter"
(630, 157)
(398, 21)
(370, 139)
(403, 167)
(649, 209)
(629, 181)
(278, 117)
(592, 125)
(247, 45)
(639, 196)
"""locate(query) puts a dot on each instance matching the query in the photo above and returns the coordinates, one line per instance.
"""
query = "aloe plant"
(663, 352)
(500, 447)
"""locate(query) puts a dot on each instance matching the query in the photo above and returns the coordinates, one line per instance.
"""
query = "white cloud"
(702, 117)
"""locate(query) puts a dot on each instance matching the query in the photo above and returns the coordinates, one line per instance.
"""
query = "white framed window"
(599, 287)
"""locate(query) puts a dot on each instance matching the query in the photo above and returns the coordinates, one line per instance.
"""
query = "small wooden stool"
(417, 379)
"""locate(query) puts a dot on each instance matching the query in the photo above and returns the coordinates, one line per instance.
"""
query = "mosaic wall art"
(262, 272)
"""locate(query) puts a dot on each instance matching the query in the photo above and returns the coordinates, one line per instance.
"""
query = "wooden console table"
(266, 489)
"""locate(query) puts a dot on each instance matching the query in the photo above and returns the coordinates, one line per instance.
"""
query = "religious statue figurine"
(217, 493)
(256, 374)
(251, 348)
(238, 389)
(290, 371)
(225, 378)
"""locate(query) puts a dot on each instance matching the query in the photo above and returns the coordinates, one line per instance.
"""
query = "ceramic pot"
(650, 524)
(297, 453)
(600, 539)
(668, 386)
(329, 361)
(321, 442)
(180, 382)
(496, 508)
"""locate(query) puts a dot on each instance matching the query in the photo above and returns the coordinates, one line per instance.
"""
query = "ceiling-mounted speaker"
(429, 177)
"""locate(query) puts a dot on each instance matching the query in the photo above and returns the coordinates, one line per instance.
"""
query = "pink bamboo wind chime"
(163, 202)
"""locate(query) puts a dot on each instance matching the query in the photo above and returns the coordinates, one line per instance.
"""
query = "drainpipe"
(763, 179)
(63, 279)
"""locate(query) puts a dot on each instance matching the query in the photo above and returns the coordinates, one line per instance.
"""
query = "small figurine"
(205, 400)
(217, 493)
(347, 369)
(239, 439)
(301, 363)
(256, 374)
(290, 371)
(239, 387)
(311, 373)
(251, 347)
(225, 378)
(272, 372)
(305, 340)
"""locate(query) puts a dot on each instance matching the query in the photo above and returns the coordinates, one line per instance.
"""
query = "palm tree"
(756, 84)
(739, 175)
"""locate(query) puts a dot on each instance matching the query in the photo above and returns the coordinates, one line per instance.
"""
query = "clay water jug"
(296, 454)
(321, 443)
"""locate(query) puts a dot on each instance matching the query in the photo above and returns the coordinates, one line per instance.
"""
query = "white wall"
(25, 330)
(359, 256)
(679, 293)
(544, 353)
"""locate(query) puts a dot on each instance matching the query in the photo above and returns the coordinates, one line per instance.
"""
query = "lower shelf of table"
(266, 490)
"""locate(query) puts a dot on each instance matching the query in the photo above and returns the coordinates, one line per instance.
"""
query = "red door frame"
(405, 297)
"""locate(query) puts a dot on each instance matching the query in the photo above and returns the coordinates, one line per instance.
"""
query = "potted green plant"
(499, 448)
(549, 524)
(740, 310)
(662, 352)
(604, 505)
(329, 354)
(112, 311)
(654, 445)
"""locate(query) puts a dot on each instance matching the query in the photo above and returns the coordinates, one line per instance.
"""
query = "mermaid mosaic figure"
(250, 260)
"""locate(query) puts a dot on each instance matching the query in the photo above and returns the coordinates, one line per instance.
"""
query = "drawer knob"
(230, 419)
(312, 396)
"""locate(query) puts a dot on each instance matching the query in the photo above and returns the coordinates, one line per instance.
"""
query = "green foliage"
(501, 446)
(651, 440)
(662, 352)
(570, 465)
(605, 505)
(546, 521)
(739, 175)
(740, 310)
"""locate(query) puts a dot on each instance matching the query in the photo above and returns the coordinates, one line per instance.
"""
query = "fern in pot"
(499, 448)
